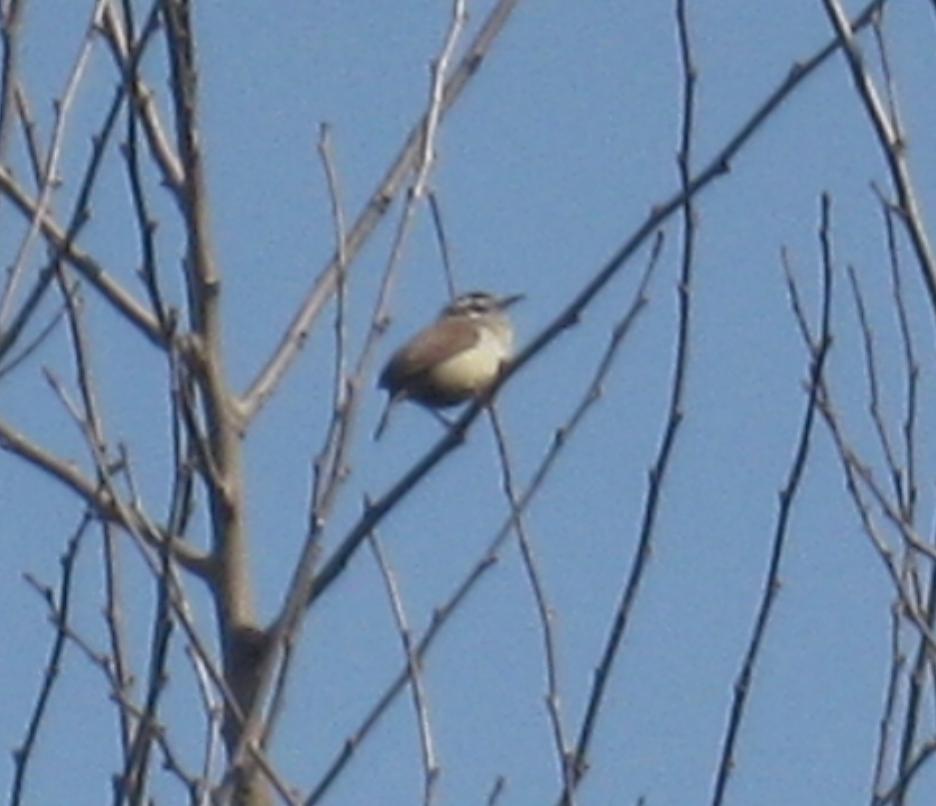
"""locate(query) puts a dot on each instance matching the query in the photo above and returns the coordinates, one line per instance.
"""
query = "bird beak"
(506, 302)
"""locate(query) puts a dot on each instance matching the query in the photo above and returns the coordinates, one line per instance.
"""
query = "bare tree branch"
(488, 559)
(120, 37)
(59, 608)
(573, 312)
(50, 178)
(263, 385)
(99, 500)
(431, 769)
(891, 142)
(544, 614)
(11, 16)
(817, 358)
(579, 763)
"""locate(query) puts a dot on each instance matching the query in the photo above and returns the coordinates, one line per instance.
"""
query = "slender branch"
(329, 472)
(436, 208)
(898, 790)
(436, 98)
(120, 39)
(82, 262)
(338, 216)
(99, 500)
(892, 144)
(11, 16)
(50, 178)
(33, 346)
(93, 428)
(28, 125)
(441, 615)
(430, 765)
(330, 468)
(573, 312)
(146, 225)
(544, 613)
(500, 785)
(134, 778)
(908, 487)
(889, 708)
(213, 706)
(856, 475)
(270, 375)
(59, 606)
(621, 616)
(63, 241)
(874, 395)
(817, 358)
(915, 699)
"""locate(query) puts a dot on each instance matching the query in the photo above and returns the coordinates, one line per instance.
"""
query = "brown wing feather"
(426, 349)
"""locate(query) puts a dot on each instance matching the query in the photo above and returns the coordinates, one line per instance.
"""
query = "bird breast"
(467, 373)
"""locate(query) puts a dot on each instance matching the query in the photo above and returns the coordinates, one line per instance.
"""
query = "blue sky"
(560, 146)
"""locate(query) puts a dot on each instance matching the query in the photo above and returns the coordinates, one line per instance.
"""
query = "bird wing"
(426, 349)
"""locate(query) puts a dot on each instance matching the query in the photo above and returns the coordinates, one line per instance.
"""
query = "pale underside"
(446, 364)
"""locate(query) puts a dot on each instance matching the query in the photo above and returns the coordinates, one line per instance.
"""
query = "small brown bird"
(453, 360)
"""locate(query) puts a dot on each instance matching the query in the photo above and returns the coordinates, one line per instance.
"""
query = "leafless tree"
(178, 569)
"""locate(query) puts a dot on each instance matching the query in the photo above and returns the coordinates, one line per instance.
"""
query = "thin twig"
(442, 614)
(11, 17)
(270, 375)
(433, 115)
(50, 178)
(444, 252)
(874, 395)
(178, 599)
(888, 710)
(63, 241)
(33, 346)
(898, 790)
(59, 608)
(674, 416)
(908, 484)
(573, 312)
(856, 475)
(892, 144)
(100, 500)
(420, 701)
(915, 699)
(120, 39)
(213, 707)
(146, 225)
(500, 786)
(27, 123)
(329, 466)
(544, 613)
(817, 357)
(93, 429)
